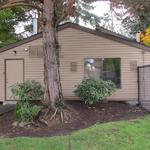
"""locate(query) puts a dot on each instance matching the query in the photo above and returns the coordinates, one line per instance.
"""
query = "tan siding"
(33, 67)
(78, 45)
(146, 58)
(75, 46)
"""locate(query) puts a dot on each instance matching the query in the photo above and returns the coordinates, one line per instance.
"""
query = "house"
(83, 53)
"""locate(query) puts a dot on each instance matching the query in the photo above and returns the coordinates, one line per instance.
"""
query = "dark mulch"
(111, 111)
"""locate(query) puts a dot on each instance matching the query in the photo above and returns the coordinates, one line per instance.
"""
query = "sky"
(100, 9)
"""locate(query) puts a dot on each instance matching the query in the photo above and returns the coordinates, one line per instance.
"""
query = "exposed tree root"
(63, 113)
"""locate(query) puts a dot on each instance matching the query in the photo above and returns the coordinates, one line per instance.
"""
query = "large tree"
(53, 13)
(15, 15)
(83, 13)
(136, 16)
(10, 18)
(133, 14)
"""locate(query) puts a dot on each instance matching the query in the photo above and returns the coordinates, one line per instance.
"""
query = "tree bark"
(53, 90)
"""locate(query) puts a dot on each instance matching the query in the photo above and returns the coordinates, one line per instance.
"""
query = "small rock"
(22, 124)
(29, 126)
(15, 124)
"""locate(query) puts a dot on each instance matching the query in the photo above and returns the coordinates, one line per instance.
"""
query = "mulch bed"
(106, 112)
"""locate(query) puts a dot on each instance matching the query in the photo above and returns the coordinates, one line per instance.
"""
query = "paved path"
(146, 106)
(6, 108)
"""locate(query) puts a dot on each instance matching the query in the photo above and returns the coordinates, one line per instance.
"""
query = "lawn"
(122, 135)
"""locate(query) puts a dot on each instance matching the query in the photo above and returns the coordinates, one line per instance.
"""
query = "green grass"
(124, 135)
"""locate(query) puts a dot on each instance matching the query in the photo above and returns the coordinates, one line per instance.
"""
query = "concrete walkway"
(146, 105)
(6, 108)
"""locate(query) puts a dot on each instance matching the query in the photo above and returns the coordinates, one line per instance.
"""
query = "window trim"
(119, 87)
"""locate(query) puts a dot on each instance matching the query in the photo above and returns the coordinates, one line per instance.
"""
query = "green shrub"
(94, 90)
(26, 112)
(29, 90)
(25, 93)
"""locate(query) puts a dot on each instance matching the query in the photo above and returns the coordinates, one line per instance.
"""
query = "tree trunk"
(53, 90)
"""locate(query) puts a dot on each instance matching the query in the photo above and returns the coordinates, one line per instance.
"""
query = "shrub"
(25, 92)
(29, 90)
(26, 112)
(94, 90)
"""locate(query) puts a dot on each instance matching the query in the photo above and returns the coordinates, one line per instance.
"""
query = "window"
(106, 69)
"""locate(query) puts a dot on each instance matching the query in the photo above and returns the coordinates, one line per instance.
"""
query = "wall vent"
(133, 65)
(36, 51)
(73, 66)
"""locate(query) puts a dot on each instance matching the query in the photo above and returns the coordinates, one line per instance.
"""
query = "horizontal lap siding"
(33, 67)
(75, 46)
(78, 45)
(146, 58)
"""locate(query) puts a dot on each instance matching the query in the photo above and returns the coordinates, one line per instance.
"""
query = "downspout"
(143, 64)
(138, 70)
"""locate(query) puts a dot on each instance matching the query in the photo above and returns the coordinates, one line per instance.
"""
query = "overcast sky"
(100, 9)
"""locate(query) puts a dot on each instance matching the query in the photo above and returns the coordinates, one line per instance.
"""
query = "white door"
(14, 74)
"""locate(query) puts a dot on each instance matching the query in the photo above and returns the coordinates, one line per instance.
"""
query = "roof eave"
(84, 29)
